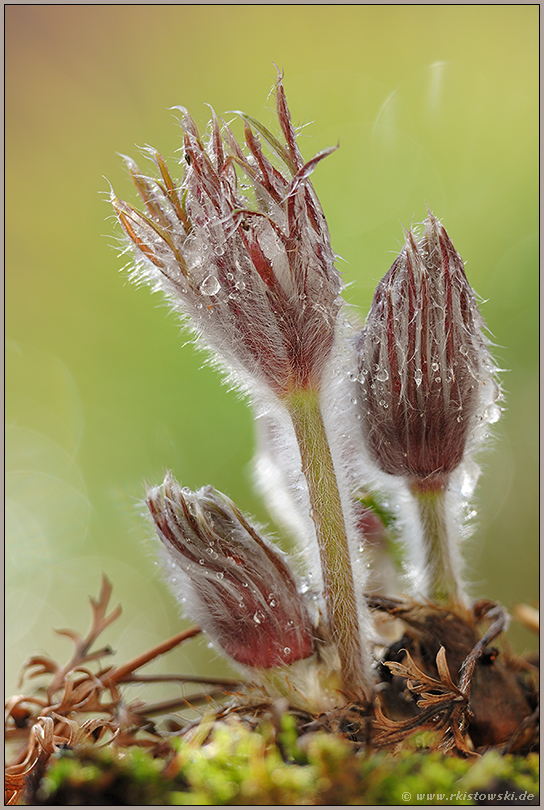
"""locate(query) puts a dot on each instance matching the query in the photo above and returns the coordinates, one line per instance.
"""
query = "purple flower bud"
(231, 581)
(426, 377)
(243, 249)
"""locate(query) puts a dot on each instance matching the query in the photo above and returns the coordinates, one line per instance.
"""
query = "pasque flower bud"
(253, 271)
(426, 385)
(230, 580)
(426, 377)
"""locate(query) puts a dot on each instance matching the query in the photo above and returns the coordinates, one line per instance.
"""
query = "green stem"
(327, 514)
(444, 586)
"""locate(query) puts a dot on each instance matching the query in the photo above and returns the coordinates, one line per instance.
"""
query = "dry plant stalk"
(37, 727)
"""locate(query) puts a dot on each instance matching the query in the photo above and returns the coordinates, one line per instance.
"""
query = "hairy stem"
(317, 466)
(441, 566)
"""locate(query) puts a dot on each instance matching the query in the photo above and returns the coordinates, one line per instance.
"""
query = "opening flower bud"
(253, 271)
(229, 579)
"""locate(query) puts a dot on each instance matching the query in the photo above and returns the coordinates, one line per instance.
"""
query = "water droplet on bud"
(492, 414)
(210, 285)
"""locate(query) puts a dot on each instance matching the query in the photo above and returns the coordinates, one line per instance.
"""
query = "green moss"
(226, 763)
(512, 773)
(103, 776)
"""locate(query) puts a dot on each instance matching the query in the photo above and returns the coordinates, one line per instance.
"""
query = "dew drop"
(382, 375)
(470, 479)
(435, 366)
(210, 285)
(257, 618)
(492, 414)
(240, 284)
(286, 650)
(418, 376)
(463, 350)
(219, 250)
(220, 575)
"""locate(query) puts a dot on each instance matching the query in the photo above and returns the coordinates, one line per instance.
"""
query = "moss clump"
(104, 776)
(227, 763)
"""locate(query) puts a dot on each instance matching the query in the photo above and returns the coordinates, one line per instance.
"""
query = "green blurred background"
(433, 104)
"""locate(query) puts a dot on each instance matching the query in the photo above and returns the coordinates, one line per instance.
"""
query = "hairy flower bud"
(254, 273)
(426, 377)
(231, 581)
